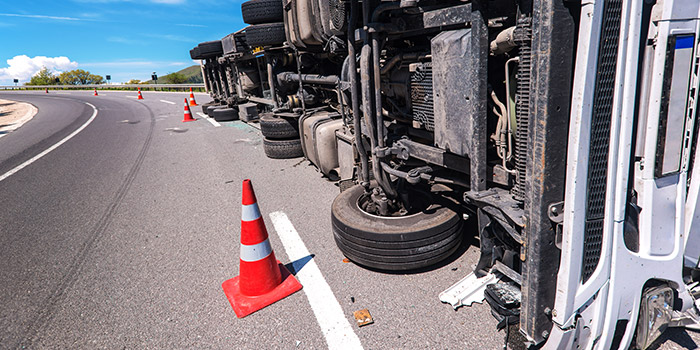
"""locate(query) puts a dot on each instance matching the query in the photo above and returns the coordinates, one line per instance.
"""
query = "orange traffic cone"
(140, 96)
(188, 114)
(47, 90)
(263, 280)
(192, 101)
(95, 92)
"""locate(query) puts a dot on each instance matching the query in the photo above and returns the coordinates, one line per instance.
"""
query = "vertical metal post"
(271, 81)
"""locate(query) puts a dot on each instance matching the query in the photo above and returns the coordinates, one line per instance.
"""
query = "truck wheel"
(207, 105)
(210, 48)
(276, 128)
(282, 149)
(225, 114)
(395, 243)
(210, 109)
(262, 11)
(194, 54)
(265, 34)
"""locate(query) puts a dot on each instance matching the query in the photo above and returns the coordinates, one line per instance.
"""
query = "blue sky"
(127, 39)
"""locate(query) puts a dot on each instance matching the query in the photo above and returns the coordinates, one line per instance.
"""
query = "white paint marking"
(48, 150)
(63, 93)
(336, 328)
(27, 116)
(131, 96)
(211, 120)
(172, 103)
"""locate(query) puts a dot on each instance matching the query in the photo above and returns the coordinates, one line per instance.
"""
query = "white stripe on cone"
(250, 212)
(255, 252)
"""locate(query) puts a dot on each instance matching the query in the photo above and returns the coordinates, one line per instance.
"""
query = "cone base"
(244, 305)
(190, 120)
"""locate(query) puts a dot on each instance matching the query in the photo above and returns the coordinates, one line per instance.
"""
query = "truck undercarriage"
(560, 133)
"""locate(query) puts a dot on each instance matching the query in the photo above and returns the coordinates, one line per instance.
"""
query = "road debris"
(363, 317)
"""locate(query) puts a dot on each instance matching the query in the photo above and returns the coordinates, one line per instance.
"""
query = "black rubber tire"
(225, 114)
(282, 149)
(206, 105)
(397, 243)
(210, 109)
(195, 55)
(265, 34)
(210, 49)
(276, 128)
(262, 11)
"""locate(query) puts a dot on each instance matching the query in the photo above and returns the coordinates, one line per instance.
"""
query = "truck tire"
(210, 49)
(210, 109)
(207, 105)
(225, 114)
(276, 128)
(282, 149)
(265, 34)
(262, 11)
(395, 243)
(194, 54)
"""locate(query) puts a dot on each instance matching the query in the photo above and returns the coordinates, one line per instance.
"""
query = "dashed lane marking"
(336, 328)
(56, 145)
(166, 101)
(211, 120)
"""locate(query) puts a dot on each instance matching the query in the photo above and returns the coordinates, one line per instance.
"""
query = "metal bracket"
(556, 212)
(468, 290)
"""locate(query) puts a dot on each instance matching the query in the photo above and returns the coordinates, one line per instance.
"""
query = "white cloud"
(23, 67)
(190, 25)
(40, 17)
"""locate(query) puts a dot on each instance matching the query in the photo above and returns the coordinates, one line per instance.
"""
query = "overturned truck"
(562, 133)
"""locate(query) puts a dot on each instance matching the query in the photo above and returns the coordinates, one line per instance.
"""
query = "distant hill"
(193, 74)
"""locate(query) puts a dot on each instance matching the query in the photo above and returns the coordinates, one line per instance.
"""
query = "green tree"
(44, 77)
(175, 78)
(80, 77)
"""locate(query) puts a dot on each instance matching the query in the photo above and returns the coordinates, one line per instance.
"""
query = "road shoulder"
(14, 114)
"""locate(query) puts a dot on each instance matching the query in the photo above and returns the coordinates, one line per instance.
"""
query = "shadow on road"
(296, 266)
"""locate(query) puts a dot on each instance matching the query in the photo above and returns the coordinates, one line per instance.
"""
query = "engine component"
(250, 79)
(504, 42)
(522, 104)
(422, 100)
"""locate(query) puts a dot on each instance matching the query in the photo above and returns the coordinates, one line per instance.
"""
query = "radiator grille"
(422, 94)
(600, 136)
(523, 38)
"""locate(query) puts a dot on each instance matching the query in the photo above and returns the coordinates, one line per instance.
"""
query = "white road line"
(211, 120)
(172, 103)
(45, 152)
(131, 96)
(336, 328)
(27, 116)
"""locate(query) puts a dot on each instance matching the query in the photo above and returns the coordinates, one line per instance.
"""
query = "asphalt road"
(122, 236)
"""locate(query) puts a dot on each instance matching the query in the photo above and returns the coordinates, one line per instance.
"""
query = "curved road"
(122, 236)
